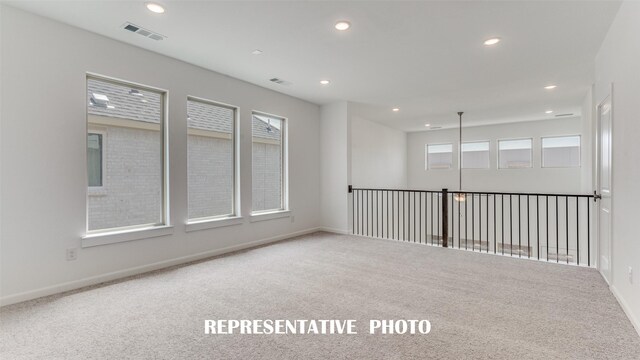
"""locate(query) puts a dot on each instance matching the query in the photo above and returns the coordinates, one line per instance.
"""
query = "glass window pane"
(439, 156)
(515, 154)
(94, 159)
(132, 183)
(475, 155)
(561, 151)
(267, 163)
(211, 168)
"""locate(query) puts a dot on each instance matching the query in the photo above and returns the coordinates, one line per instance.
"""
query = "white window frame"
(141, 231)
(235, 217)
(515, 139)
(426, 156)
(561, 167)
(284, 210)
(461, 165)
(99, 190)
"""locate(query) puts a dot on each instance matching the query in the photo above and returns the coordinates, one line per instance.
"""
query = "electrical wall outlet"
(630, 273)
(72, 254)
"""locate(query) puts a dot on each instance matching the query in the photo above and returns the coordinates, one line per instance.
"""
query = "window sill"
(213, 223)
(118, 236)
(98, 191)
(270, 215)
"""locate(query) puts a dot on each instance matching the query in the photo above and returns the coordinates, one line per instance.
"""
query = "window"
(132, 179)
(94, 160)
(268, 163)
(514, 154)
(561, 151)
(475, 155)
(439, 156)
(211, 159)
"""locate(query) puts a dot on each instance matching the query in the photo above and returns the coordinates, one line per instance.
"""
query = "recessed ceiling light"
(343, 25)
(395, 109)
(427, 125)
(156, 8)
(548, 111)
(550, 87)
(491, 41)
(256, 52)
(324, 82)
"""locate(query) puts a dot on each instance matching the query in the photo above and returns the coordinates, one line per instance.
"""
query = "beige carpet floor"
(480, 307)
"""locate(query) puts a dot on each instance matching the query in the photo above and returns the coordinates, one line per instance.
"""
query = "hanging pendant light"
(459, 196)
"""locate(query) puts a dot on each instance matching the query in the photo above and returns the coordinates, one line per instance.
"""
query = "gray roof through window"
(265, 127)
(124, 103)
(142, 105)
(209, 117)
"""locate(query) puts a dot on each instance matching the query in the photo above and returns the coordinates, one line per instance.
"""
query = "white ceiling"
(427, 58)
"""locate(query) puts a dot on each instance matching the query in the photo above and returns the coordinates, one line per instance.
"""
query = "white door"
(604, 188)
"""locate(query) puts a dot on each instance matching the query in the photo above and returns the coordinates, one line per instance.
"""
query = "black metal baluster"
(502, 218)
(459, 213)
(547, 221)
(387, 212)
(407, 228)
(566, 222)
(432, 219)
(577, 230)
(377, 217)
(589, 232)
(414, 217)
(557, 234)
(404, 215)
(495, 232)
(398, 218)
(453, 238)
(528, 230)
(360, 224)
(473, 222)
(420, 217)
(487, 217)
(510, 225)
(355, 212)
(480, 223)
(466, 220)
(538, 224)
(519, 227)
(393, 214)
(366, 209)
(438, 217)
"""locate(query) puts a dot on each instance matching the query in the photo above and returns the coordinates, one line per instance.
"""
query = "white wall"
(335, 167)
(536, 179)
(617, 64)
(588, 142)
(378, 155)
(43, 157)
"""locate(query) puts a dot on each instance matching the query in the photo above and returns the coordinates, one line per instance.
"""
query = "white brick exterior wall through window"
(267, 176)
(210, 176)
(132, 181)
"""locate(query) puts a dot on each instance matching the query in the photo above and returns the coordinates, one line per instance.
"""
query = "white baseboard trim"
(93, 280)
(335, 231)
(626, 309)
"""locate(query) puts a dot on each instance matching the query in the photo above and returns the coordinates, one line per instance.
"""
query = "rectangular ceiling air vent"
(561, 115)
(280, 81)
(142, 31)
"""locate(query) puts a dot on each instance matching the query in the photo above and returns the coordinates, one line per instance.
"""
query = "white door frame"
(597, 164)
